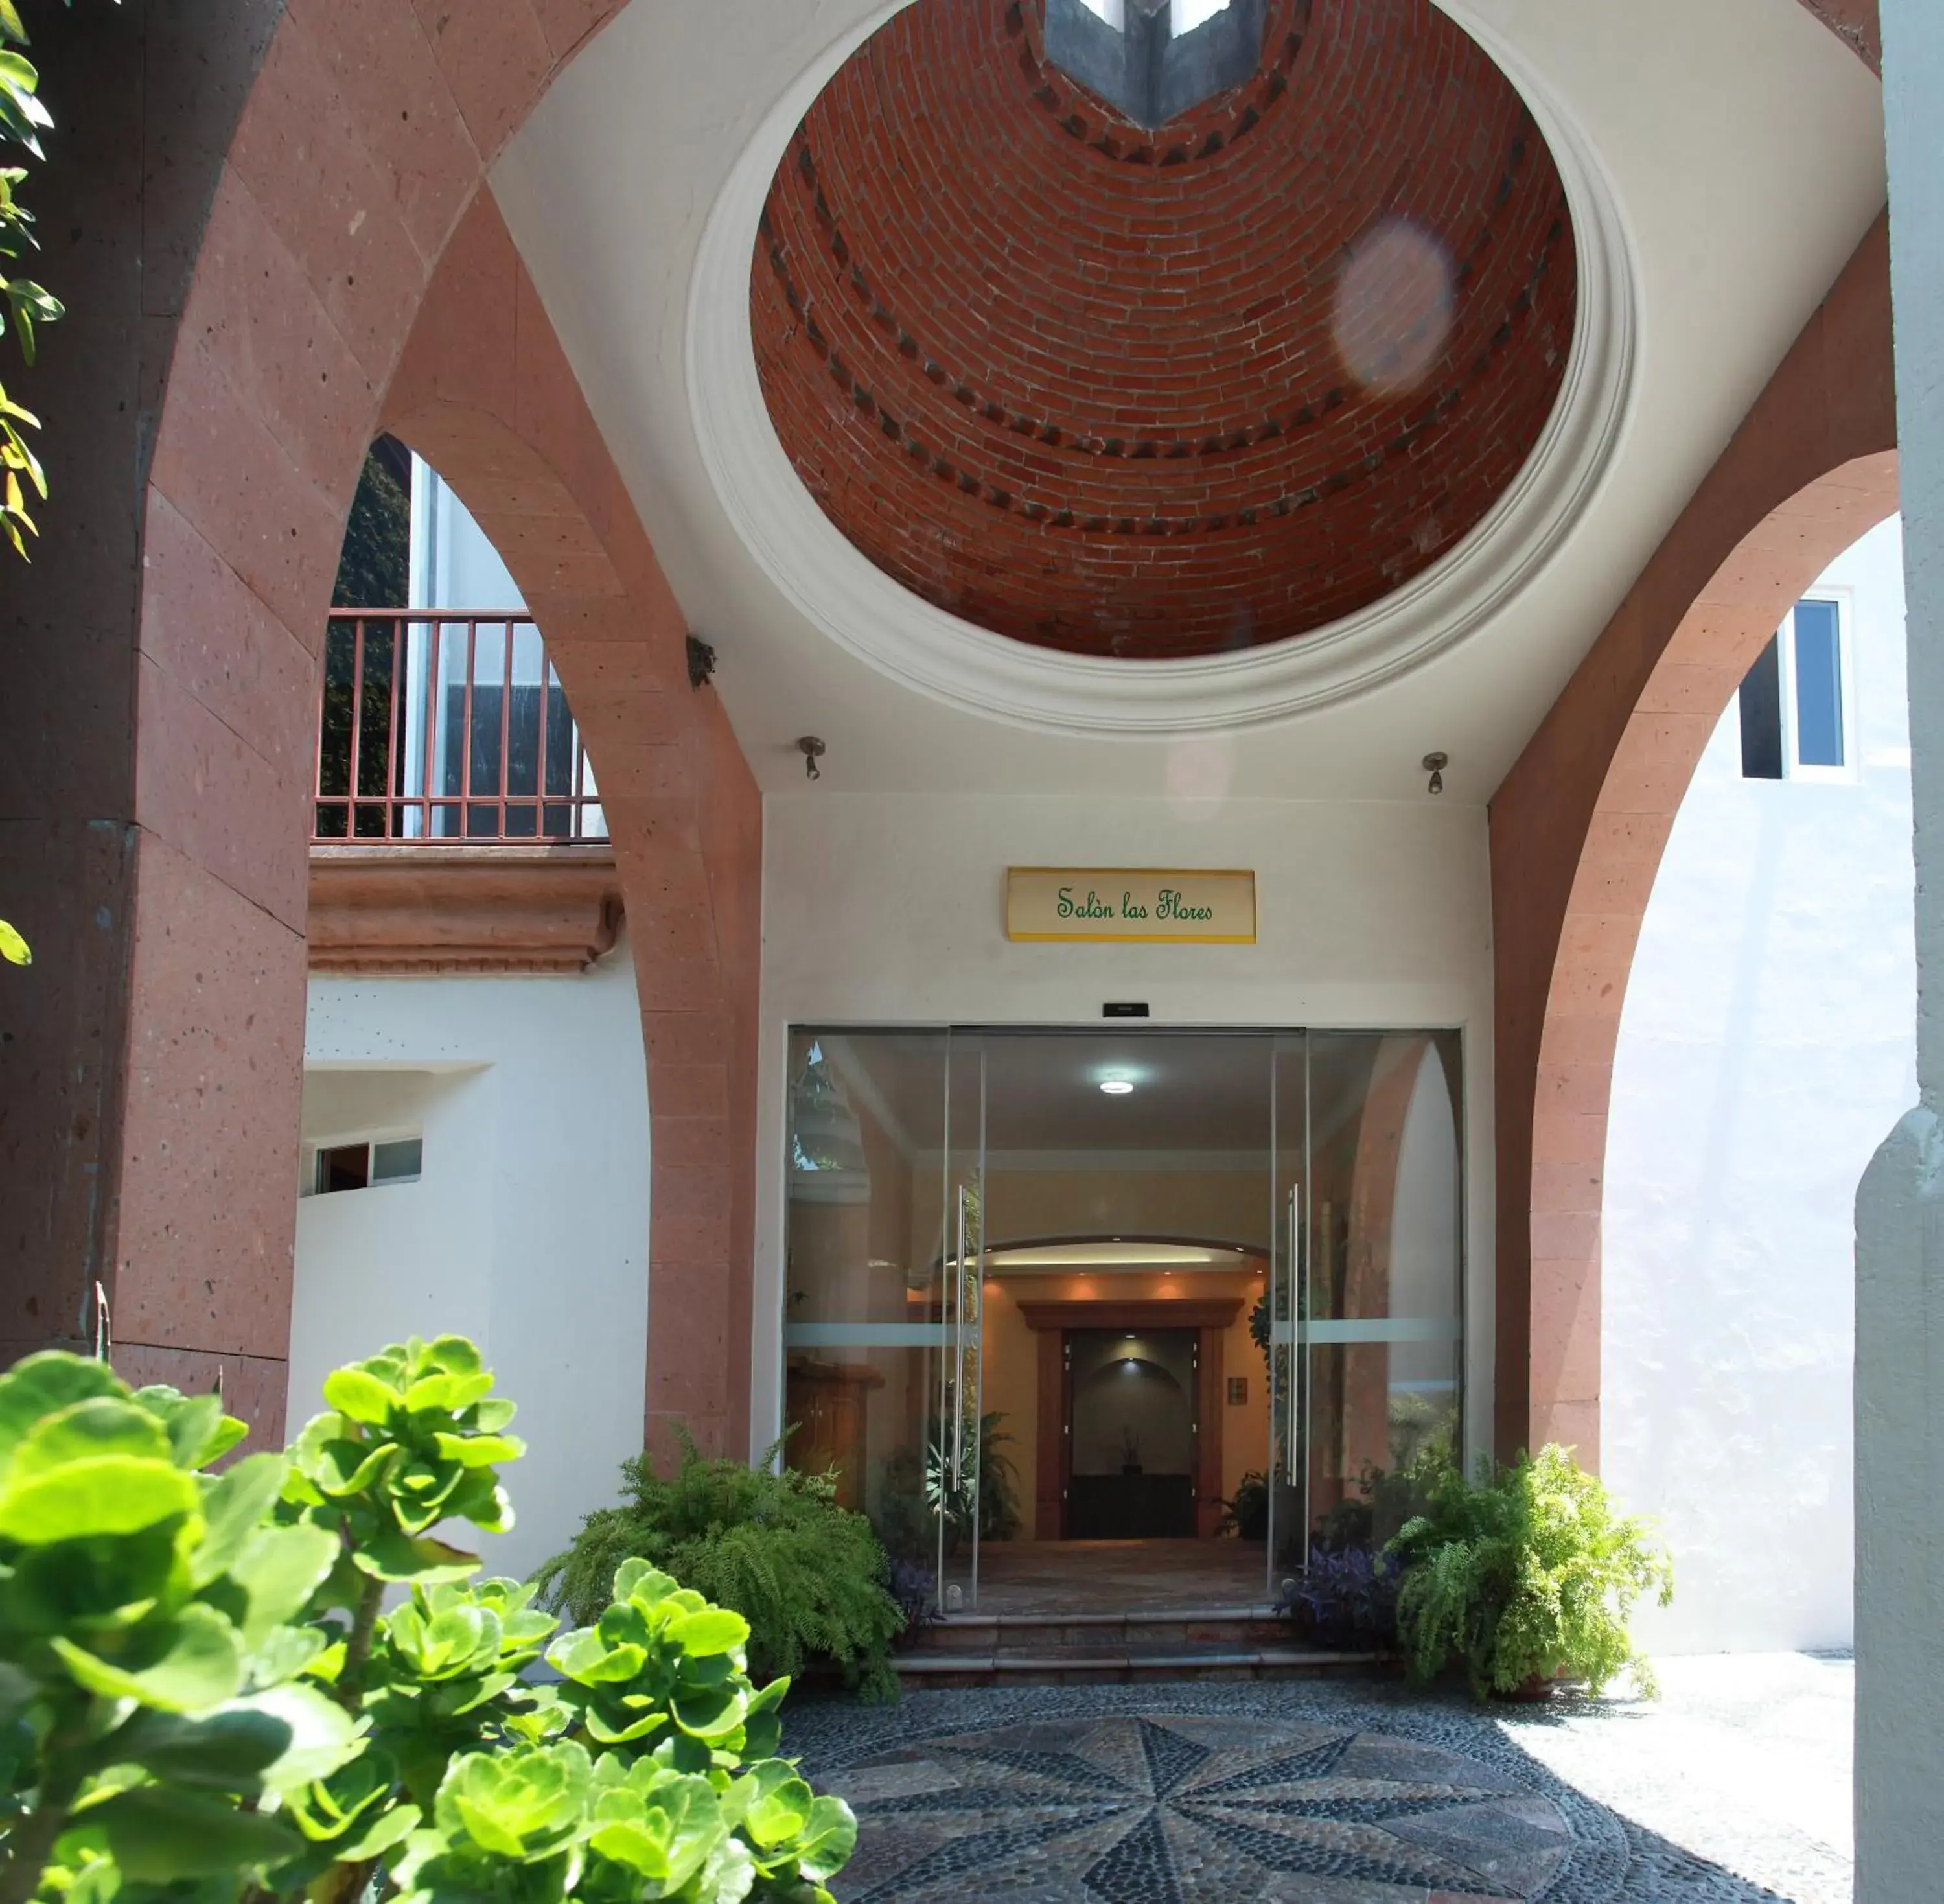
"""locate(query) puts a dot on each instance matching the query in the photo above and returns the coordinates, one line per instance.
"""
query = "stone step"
(1243, 1628)
(1094, 1666)
(1165, 1642)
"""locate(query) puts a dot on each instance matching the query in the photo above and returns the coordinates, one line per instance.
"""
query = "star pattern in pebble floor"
(1183, 1808)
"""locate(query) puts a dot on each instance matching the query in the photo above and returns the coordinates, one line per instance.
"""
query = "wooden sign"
(1134, 905)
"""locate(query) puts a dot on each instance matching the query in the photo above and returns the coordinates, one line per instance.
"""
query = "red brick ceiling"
(1090, 387)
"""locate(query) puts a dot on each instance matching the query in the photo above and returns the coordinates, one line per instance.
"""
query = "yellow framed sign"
(1130, 905)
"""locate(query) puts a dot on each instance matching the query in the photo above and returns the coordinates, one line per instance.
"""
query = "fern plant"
(1530, 1575)
(773, 1545)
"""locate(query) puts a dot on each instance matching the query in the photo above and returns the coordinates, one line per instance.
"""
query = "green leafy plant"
(12, 948)
(202, 1700)
(993, 1483)
(807, 1575)
(23, 119)
(1385, 1500)
(1247, 1516)
(1530, 1575)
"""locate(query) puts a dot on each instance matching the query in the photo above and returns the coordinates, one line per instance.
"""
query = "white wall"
(452, 564)
(889, 910)
(528, 1230)
(1765, 1045)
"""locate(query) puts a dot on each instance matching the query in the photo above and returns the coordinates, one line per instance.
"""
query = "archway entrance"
(1184, 1294)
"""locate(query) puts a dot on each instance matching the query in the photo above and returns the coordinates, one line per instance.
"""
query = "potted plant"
(1344, 1596)
(1526, 1578)
(1247, 1516)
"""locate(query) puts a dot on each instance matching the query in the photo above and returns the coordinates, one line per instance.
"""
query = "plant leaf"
(34, 1389)
(713, 1630)
(279, 1570)
(273, 1741)
(232, 1507)
(360, 1395)
(396, 1556)
(200, 1667)
(159, 1836)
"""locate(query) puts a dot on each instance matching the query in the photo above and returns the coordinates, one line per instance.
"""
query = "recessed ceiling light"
(1116, 1087)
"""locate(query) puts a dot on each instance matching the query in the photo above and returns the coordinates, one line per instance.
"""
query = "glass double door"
(964, 1208)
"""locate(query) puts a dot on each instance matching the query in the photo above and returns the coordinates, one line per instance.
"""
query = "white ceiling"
(1740, 148)
(1225, 1096)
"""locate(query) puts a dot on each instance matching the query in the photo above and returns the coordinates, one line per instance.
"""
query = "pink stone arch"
(1578, 826)
(1713, 647)
(351, 276)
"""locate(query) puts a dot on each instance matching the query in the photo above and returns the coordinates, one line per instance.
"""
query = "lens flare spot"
(1198, 773)
(1393, 308)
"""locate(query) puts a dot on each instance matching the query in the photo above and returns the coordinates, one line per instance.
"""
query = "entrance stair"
(1073, 1648)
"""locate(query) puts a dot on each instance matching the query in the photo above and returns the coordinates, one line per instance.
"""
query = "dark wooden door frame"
(1212, 1318)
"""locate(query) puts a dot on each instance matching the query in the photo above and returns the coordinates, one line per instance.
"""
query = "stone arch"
(483, 392)
(1578, 826)
(340, 270)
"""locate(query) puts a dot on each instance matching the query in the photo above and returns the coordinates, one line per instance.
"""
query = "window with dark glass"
(1761, 716)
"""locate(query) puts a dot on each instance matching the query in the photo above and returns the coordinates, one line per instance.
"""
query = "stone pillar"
(148, 1057)
(1899, 1373)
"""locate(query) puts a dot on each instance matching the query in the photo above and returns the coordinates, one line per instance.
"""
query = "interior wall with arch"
(1133, 1400)
(1767, 1043)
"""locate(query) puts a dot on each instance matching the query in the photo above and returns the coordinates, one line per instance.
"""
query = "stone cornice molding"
(420, 910)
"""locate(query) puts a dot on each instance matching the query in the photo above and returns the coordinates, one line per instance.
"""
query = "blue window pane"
(1818, 685)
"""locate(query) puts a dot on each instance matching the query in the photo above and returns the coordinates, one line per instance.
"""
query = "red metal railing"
(448, 729)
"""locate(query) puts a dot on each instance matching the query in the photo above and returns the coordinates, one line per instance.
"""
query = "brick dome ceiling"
(1148, 395)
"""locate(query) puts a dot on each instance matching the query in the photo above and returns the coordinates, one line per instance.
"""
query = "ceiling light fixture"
(1435, 765)
(1117, 1086)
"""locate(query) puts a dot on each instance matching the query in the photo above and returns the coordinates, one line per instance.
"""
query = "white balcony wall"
(528, 1230)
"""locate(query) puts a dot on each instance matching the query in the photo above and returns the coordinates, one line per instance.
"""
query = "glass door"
(955, 1455)
(1289, 1178)
(1379, 1301)
(960, 1203)
(868, 1285)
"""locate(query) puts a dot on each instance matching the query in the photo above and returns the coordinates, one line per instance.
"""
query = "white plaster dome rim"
(844, 594)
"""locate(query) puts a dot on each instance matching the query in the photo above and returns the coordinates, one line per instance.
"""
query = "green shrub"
(1247, 1516)
(1385, 1500)
(808, 1576)
(202, 1700)
(1529, 1574)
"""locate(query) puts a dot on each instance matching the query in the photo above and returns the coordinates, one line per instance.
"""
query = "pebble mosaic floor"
(1222, 1794)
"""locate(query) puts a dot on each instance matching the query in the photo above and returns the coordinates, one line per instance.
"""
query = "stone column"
(1899, 1371)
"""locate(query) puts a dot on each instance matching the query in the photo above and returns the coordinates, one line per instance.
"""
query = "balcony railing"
(444, 728)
